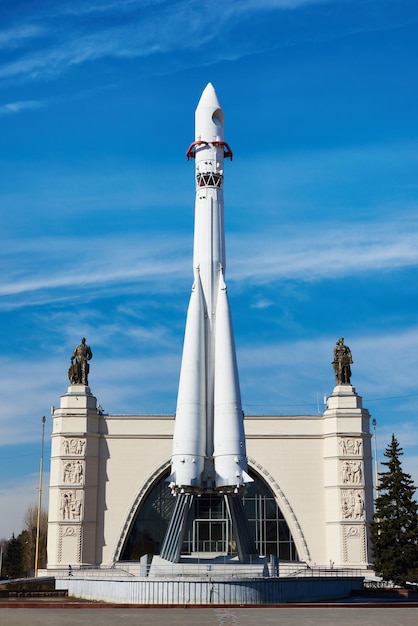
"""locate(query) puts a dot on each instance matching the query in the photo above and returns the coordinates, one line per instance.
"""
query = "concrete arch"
(143, 491)
(257, 468)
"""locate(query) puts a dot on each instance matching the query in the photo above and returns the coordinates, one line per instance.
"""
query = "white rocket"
(209, 453)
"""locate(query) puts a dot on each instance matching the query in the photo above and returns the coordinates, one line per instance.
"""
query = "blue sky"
(97, 101)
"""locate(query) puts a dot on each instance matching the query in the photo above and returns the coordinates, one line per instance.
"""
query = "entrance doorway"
(211, 535)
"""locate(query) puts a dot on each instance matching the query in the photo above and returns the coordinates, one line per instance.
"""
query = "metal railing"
(325, 572)
(204, 569)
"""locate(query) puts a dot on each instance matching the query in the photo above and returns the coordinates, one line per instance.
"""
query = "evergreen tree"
(12, 560)
(394, 529)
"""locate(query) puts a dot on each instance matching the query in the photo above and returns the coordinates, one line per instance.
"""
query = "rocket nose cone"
(209, 98)
(209, 116)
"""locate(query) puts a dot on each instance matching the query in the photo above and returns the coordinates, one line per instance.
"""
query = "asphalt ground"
(331, 615)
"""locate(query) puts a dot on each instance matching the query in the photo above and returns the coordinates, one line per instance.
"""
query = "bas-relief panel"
(352, 504)
(70, 507)
(73, 445)
(69, 544)
(352, 473)
(354, 544)
(72, 472)
(350, 446)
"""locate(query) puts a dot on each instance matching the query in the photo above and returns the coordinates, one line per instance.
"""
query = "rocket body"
(209, 452)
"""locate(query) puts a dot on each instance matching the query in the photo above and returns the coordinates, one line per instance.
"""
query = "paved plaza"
(291, 616)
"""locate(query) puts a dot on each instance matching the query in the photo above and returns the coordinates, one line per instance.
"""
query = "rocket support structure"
(209, 452)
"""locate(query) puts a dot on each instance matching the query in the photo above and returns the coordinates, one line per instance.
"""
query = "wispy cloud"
(143, 29)
(262, 303)
(44, 270)
(19, 106)
(329, 254)
(299, 253)
(81, 7)
(15, 37)
(307, 363)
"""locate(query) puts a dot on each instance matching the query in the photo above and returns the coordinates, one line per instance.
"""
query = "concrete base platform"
(208, 565)
(194, 591)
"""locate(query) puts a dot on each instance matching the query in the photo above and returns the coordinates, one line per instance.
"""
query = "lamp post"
(376, 465)
(38, 521)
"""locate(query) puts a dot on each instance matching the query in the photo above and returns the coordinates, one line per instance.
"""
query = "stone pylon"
(348, 478)
(73, 493)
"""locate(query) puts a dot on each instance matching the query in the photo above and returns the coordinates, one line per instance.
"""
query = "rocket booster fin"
(189, 440)
(229, 454)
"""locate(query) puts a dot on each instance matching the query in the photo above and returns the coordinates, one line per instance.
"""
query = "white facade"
(319, 469)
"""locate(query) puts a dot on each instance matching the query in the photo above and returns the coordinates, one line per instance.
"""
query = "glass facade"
(211, 530)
